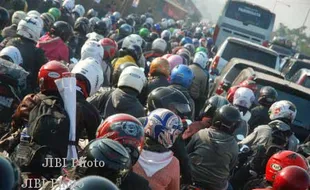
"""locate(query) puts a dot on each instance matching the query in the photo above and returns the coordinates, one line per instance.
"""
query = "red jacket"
(54, 48)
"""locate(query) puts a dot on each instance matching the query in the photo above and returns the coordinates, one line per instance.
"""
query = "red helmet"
(249, 83)
(125, 129)
(292, 178)
(110, 48)
(281, 160)
(48, 73)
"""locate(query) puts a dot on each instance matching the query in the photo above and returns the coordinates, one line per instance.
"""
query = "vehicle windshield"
(281, 50)
(296, 67)
(245, 52)
(306, 83)
(249, 15)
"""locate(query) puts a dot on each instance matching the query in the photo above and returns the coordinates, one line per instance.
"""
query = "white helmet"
(171, 22)
(117, 15)
(283, 110)
(201, 58)
(92, 49)
(68, 4)
(18, 16)
(149, 20)
(79, 9)
(91, 70)
(198, 30)
(94, 36)
(30, 28)
(160, 45)
(13, 53)
(33, 13)
(129, 41)
(132, 77)
(244, 97)
(139, 39)
(108, 22)
(164, 24)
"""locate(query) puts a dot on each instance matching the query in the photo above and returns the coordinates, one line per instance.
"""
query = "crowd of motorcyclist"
(142, 107)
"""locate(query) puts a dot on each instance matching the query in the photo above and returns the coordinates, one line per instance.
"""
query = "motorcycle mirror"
(239, 137)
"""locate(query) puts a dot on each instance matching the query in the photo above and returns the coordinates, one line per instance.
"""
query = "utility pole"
(306, 18)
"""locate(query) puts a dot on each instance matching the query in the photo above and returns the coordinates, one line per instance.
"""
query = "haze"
(292, 16)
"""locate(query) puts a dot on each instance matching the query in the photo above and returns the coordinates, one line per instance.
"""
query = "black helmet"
(190, 48)
(48, 20)
(142, 18)
(101, 28)
(81, 25)
(114, 157)
(91, 13)
(120, 22)
(93, 182)
(125, 30)
(117, 72)
(169, 98)
(147, 25)
(19, 5)
(4, 17)
(153, 36)
(226, 119)
(213, 104)
(10, 174)
(134, 51)
(131, 20)
(62, 29)
(267, 96)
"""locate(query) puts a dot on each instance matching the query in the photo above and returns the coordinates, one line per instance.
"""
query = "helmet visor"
(182, 108)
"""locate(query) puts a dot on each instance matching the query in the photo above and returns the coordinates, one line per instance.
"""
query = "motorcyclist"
(278, 131)
(80, 29)
(4, 20)
(78, 11)
(267, 96)
(159, 48)
(128, 131)
(10, 31)
(66, 12)
(54, 43)
(48, 21)
(131, 54)
(199, 89)
(212, 172)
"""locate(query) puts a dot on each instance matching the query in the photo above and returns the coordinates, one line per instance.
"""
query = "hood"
(280, 125)
(47, 42)
(152, 162)
(123, 101)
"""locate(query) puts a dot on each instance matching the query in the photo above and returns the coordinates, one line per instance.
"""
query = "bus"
(244, 20)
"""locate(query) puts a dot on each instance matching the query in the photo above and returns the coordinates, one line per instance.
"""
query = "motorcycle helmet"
(196, 43)
(210, 42)
(267, 95)
(190, 48)
(149, 20)
(201, 49)
(281, 160)
(186, 40)
(134, 51)
(11, 54)
(92, 49)
(29, 28)
(48, 73)
(92, 22)
(283, 110)
(153, 36)
(226, 119)
(91, 13)
(250, 84)
(93, 182)
(113, 19)
(81, 25)
(175, 60)
(10, 177)
(110, 48)
(157, 28)
(203, 42)
(292, 178)
(130, 20)
(159, 67)
(144, 33)
(159, 45)
(113, 160)
(79, 9)
(33, 13)
(244, 98)
(132, 77)
(185, 54)
(142, 18)
(129, 40)
(101, 28)
(120, 22)
(117, 15)
(179, 35)
(62, 29)
(18, 16)
(166, 35)
(169, 98)
(48, 20)
(212, 104)
(163, 126)
(125, 129)
(201, 59)
(140, 41)
(182, 75)
(89, 75)
(125, 30)
(117, 72)
(55, 12)
(109, 23)
(19, 5)
(68, 4)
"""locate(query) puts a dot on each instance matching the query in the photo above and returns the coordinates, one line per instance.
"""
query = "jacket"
(200, 85)
(212, 154)
(76, 43)
(262, 135)
(54, 48)
(134, 181)
(259, 117)
(33, 59)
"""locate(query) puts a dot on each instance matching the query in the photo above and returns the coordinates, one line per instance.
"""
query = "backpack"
(49, 124)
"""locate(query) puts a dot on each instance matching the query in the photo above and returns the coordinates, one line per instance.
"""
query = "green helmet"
(55, 12)
(203, 49)
(144, 32)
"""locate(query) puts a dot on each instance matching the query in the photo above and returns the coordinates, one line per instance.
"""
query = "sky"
(289, 12)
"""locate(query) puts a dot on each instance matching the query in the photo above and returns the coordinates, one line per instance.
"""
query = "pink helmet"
(175, 60)
(166, 56)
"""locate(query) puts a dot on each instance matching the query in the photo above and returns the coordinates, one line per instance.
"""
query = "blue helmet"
(210, 42)
(125, 30)
(196, 42)
(157, 27)
(186, 40)
(182, 75)
(113, 19)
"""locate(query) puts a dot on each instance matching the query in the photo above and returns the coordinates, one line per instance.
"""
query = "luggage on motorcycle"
(49, 124)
